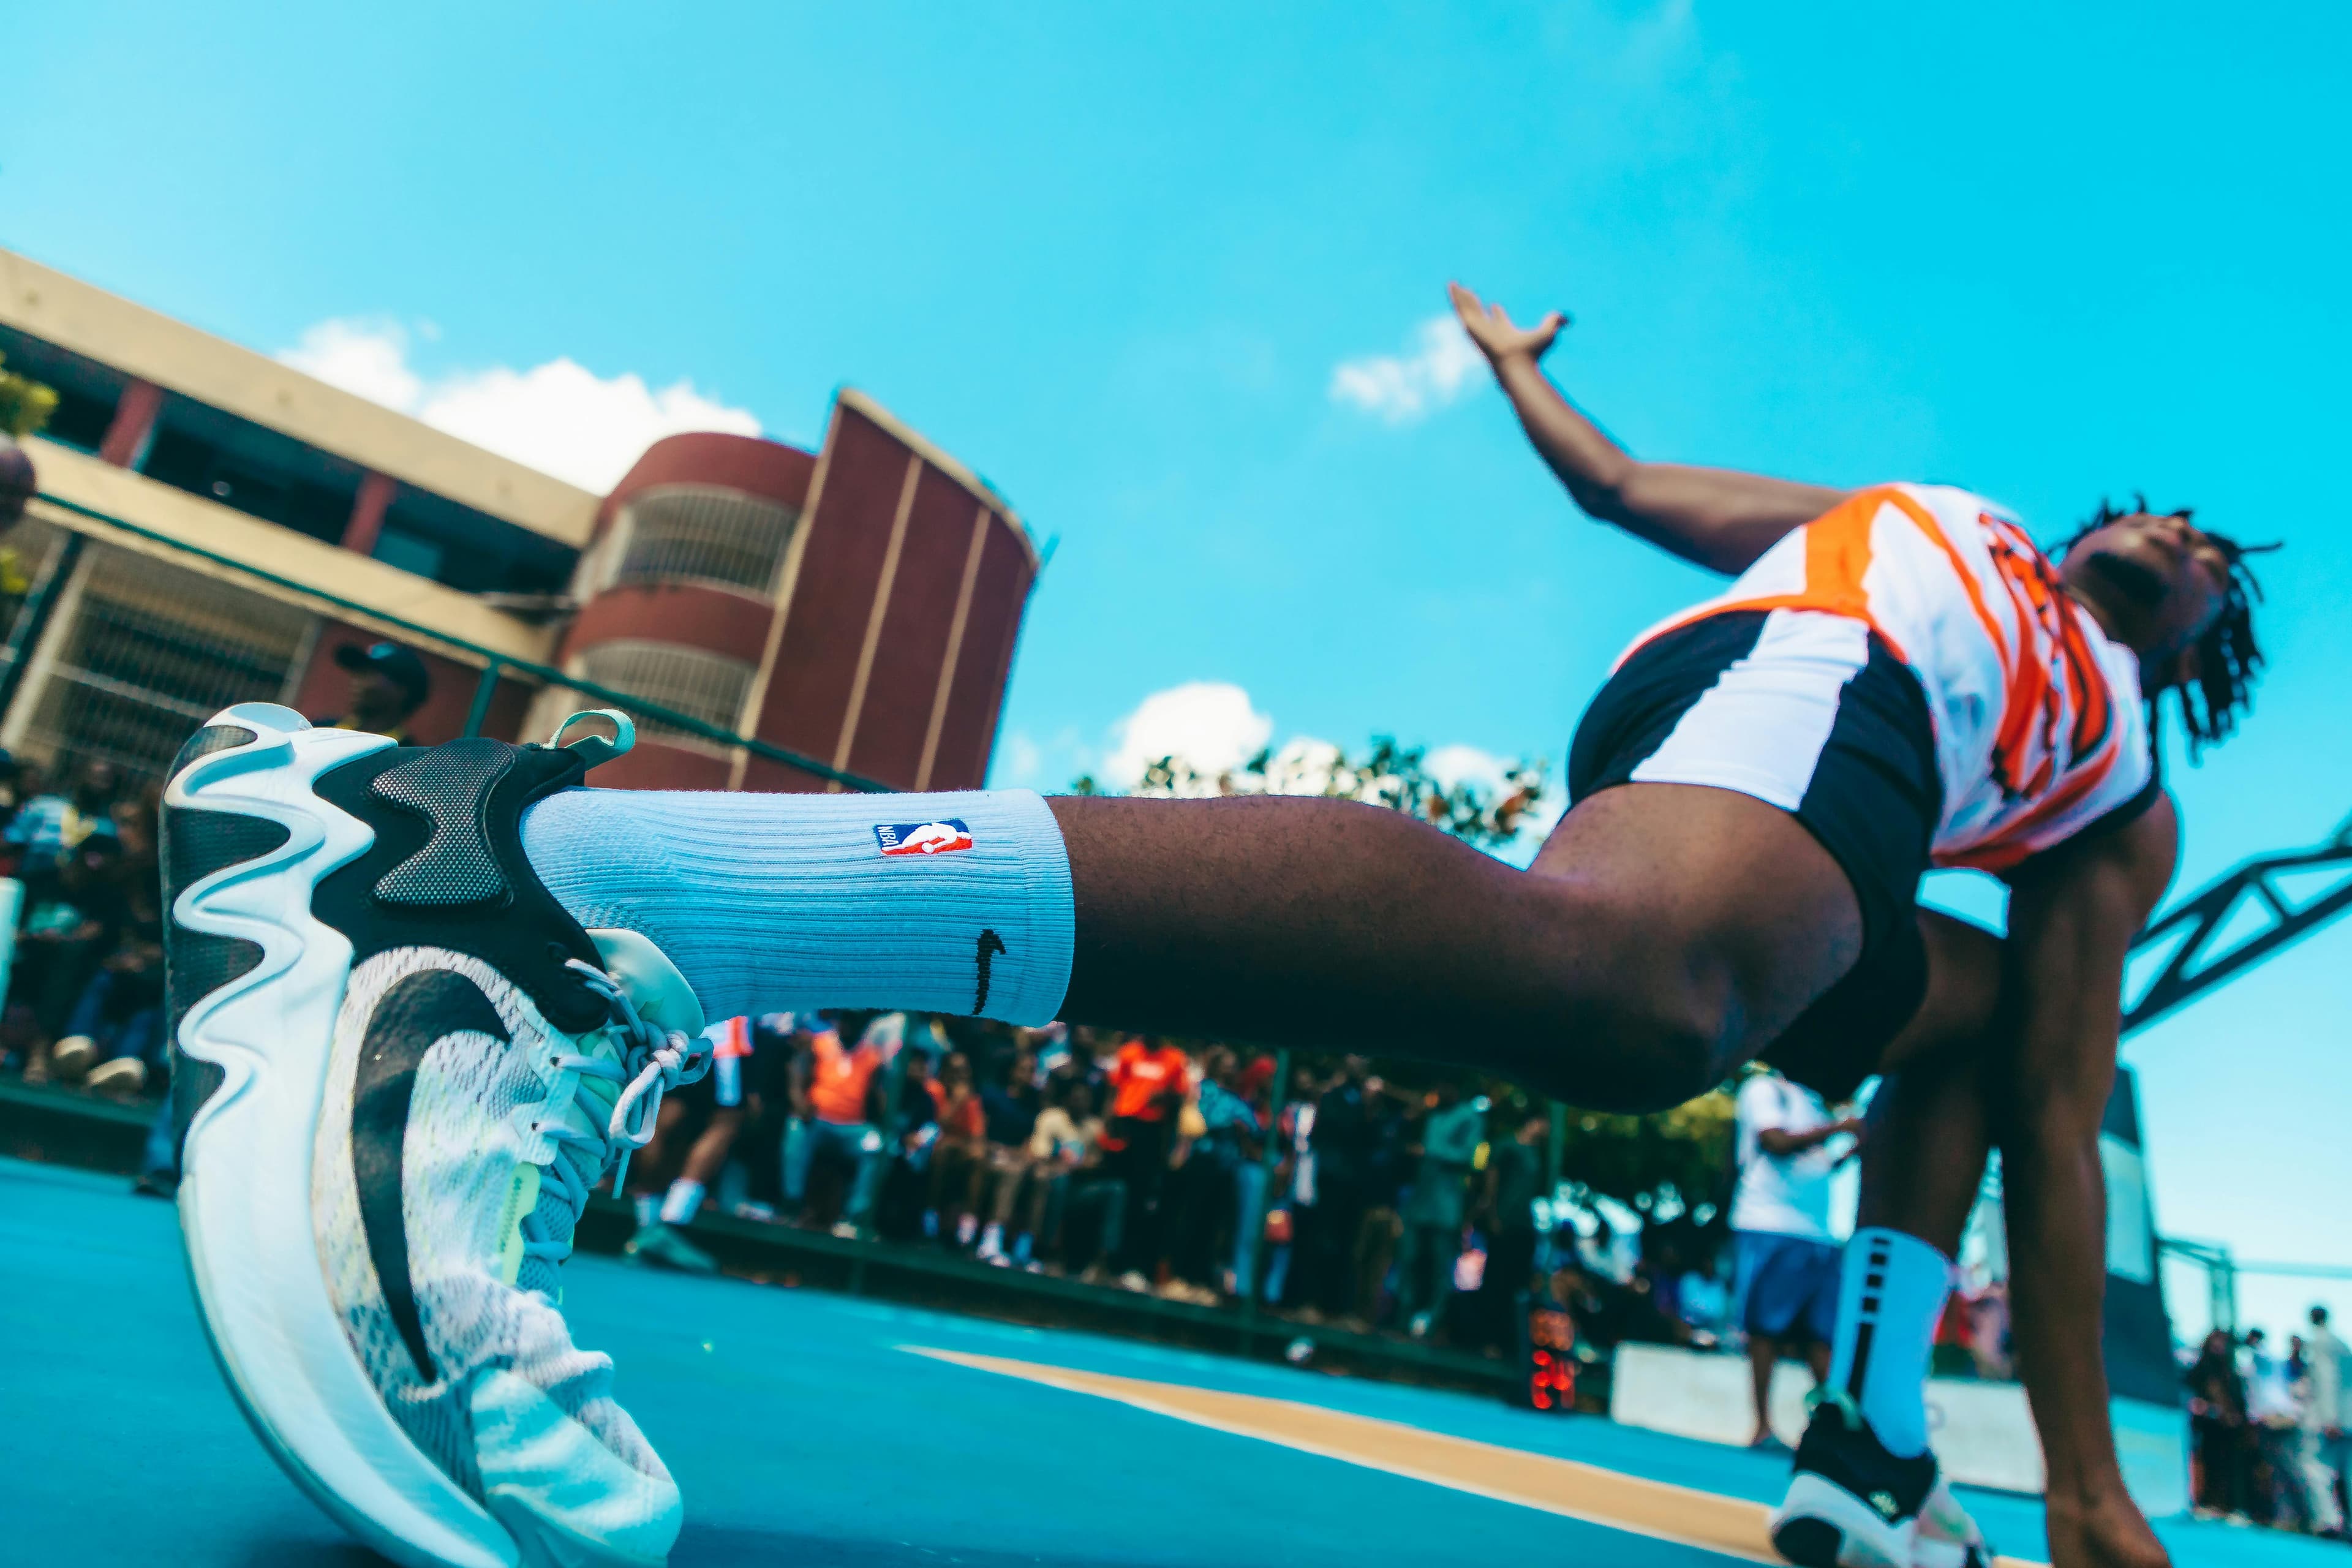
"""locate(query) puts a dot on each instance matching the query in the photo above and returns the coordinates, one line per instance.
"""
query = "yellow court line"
(1568, 1487)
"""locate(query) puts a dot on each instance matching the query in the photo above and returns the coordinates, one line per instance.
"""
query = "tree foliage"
(1389, 775)
(25, 403)
(1637, 1160)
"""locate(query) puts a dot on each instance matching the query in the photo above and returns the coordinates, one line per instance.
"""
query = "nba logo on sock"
(940, 838)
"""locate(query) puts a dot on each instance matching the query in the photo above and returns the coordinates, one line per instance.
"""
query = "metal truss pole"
(2198, 962)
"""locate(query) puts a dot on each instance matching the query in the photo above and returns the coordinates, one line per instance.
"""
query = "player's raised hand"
(1497, 336)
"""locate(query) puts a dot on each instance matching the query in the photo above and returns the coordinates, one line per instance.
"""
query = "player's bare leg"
(1664, 933)
(1956, 1086)
(708, 1155)
(672, 1189)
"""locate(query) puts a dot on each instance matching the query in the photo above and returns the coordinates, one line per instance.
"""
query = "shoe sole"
(245, 1199)
(1819, 1524)
(1946, 1536)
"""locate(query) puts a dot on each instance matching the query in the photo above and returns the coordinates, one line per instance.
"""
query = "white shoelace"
(653, 1061)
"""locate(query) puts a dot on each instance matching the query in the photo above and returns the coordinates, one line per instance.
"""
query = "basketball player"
(426, 998)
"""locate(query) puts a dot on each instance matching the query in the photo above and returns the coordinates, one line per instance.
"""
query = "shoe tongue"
(663, 997)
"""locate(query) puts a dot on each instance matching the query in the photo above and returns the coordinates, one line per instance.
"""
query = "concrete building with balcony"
(214, 524)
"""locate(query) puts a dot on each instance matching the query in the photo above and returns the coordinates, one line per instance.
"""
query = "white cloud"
(367, 358)
(1207, 723)
(565, 420)
(1399, 389)
(559, 418)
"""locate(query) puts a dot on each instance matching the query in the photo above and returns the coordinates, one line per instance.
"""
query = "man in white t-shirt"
(1787, 1257)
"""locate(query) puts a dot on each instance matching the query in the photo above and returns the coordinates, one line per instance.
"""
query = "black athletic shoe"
(1852, 1504)
(401, 1068)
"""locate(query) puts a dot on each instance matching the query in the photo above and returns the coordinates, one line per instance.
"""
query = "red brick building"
(858, 605)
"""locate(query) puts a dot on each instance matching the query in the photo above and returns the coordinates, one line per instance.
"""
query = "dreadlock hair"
(2228, 656)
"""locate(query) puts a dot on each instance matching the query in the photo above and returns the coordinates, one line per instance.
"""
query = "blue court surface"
(812, 1429)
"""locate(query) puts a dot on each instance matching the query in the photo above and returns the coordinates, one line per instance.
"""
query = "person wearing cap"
(389, 684)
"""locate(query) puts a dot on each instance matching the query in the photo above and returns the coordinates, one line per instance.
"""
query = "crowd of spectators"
(85, 995)
(2270, 1438)
(1135, 1162)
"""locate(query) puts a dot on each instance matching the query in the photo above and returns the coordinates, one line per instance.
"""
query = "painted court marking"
(1569, 1488)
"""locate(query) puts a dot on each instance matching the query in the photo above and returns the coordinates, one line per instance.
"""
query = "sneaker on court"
(1852, 1504)
(660, 1244)
(400, 1067)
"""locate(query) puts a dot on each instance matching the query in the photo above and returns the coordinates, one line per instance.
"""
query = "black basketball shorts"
(1815, 714)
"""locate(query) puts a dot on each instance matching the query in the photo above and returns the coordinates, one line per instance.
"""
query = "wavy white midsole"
(245, 1202)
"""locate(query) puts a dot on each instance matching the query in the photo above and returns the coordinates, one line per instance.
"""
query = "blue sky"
(1114, 255)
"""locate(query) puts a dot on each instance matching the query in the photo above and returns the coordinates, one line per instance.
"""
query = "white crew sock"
(824, 900)
(682, 1202)
(1891, 1291)
(648, 1209)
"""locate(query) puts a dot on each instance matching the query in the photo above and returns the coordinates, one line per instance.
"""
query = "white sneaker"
(123, 1075)
(70, 1057)
(401, 1067)
(1852, 1504)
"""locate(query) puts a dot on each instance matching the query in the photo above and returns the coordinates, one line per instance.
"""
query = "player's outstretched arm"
(1719, 518)
(2072, 914)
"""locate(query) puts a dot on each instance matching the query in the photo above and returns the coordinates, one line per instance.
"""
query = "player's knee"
(1643, 1014)
(1648, 1045)
(1682, 1033)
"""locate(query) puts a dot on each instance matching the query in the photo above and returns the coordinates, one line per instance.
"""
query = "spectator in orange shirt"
(833, 1092)
(963, 1143)
(1149, 1080)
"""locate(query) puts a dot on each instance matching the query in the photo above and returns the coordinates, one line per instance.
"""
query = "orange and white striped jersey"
(2040, 727)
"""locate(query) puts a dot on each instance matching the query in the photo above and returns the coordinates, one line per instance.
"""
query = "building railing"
(703, 533)
(494, 666)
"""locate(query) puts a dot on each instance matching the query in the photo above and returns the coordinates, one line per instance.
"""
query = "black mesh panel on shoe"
(195, 963)
(448, 826)
(448, 787)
